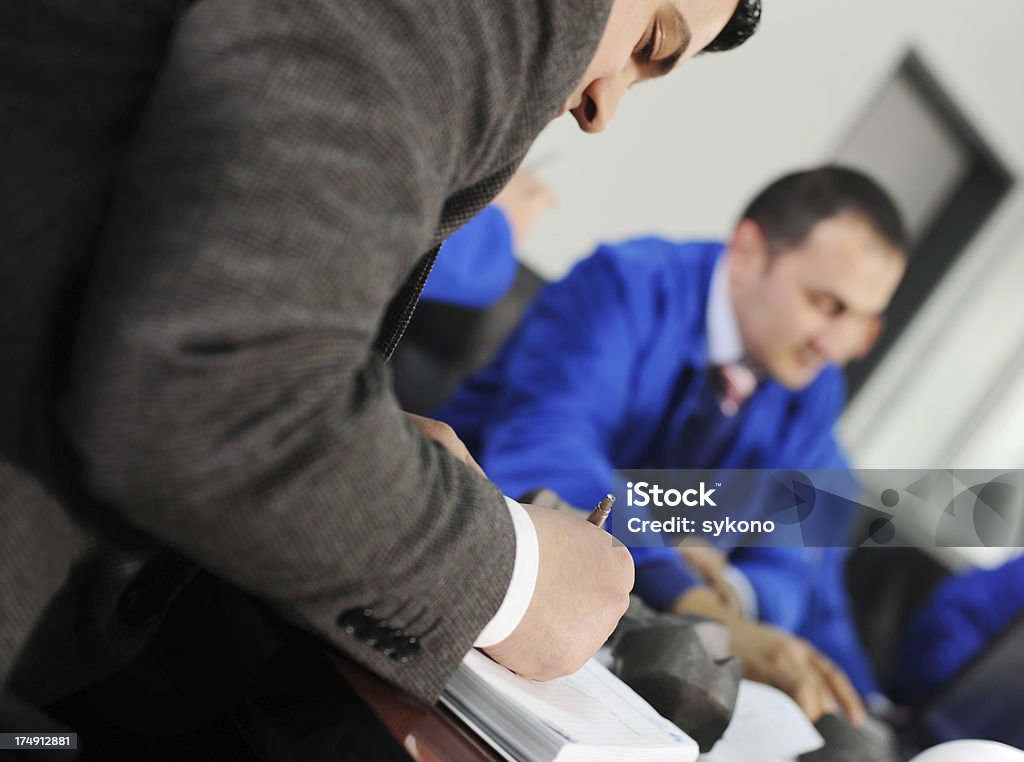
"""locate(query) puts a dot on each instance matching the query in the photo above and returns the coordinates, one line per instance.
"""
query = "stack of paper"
(590, 716)
(767, 726)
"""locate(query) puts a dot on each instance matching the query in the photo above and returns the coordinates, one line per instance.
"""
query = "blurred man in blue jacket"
(700, 354)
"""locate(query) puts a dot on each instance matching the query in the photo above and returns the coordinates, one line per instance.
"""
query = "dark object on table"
(681, 666)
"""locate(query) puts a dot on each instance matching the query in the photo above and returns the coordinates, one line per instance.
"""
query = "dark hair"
(741, 27)
(790, 207)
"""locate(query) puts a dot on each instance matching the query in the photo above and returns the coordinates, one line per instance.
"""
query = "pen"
(598, 516)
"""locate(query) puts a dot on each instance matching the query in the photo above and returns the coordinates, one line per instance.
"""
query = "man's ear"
(748, 249)
(871, 335)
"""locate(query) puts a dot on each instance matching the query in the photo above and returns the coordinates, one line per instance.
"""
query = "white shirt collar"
(725, 345)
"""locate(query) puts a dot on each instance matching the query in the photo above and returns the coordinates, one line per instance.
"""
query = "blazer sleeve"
(284, 178)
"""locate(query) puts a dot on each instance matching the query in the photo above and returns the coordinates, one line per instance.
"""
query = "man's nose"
(835, 341)
(601, 99)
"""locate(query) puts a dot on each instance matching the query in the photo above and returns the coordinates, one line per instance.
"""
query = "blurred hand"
(793, 665)
(582, 591)
(445, 435)
(772, 656)
(710, 563)
(523, 200)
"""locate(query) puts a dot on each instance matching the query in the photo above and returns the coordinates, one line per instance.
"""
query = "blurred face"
(644, 39)
(816, 303)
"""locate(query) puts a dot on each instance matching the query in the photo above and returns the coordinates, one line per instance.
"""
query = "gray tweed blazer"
(207, 209)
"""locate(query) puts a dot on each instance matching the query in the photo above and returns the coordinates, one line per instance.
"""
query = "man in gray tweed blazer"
(214, 218)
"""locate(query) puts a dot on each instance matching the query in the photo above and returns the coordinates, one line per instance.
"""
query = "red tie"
(735, 384)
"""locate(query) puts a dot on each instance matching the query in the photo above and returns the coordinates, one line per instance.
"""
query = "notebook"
(590, 716)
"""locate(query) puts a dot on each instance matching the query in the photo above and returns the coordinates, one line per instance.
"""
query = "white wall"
(686, 152)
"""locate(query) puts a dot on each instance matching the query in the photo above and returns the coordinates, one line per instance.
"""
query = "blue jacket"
(958, 620)
(604, 373)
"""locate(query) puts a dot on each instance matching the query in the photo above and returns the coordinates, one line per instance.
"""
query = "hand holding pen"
(582, 590)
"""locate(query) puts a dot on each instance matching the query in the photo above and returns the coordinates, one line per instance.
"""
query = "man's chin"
(796, 376)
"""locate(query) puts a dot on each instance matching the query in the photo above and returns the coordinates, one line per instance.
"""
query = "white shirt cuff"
(520, 587)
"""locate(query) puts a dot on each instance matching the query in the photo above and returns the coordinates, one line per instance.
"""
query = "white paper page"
(767, 726)
(591, 707)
